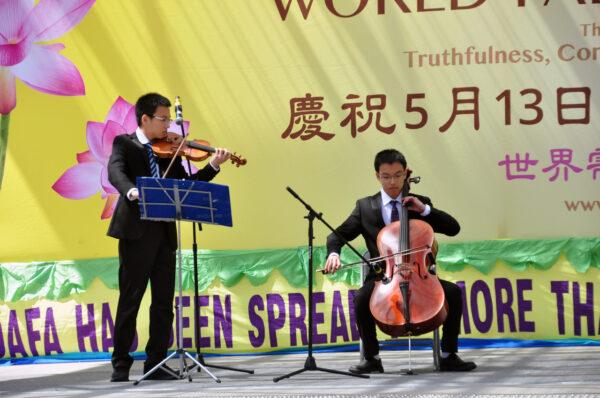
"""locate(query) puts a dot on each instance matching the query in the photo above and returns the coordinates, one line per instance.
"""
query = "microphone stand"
(310, 364)
(199, 357)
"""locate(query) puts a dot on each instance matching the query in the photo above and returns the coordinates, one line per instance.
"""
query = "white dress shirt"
(386, 207)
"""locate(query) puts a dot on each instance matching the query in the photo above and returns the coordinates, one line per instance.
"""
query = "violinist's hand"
(220, 156)
(133, 194)
(333, 264)
(175, 140)
(414, 204)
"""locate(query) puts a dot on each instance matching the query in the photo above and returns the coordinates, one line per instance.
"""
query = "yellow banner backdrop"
(494, 103)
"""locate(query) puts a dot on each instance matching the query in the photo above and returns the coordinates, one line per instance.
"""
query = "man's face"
(391, 177)
(155, 126)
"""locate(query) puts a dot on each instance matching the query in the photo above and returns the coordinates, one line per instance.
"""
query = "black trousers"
(150, 258)
(366, 322)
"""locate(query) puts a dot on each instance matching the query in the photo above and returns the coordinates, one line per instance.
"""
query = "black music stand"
(166, 199)
(310, 364)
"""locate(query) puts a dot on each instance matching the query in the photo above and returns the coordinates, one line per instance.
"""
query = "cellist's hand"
(332, 264)
(414, 204)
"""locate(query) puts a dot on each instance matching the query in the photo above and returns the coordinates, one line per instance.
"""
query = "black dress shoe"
(120, 374)
(160, 373)
(367, 366)
(454, 364)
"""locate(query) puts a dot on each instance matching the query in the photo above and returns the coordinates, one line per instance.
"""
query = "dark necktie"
(153, 164)
(395, 214)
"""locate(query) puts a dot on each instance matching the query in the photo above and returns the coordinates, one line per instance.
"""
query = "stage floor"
(522, 372)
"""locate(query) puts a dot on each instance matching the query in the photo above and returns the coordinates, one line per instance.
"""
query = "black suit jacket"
(129, 160)
(366, 220)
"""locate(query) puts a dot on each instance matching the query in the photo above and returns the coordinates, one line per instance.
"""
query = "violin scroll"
(238, 160)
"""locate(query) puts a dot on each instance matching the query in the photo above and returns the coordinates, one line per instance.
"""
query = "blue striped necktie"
(153, 164)
(395, 213)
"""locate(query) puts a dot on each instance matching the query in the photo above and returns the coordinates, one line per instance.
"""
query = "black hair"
(147, 104)
(389, 156)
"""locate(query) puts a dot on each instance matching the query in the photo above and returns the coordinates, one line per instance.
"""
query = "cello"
(408, 300)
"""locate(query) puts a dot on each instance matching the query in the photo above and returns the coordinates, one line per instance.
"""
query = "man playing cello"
(370, 215)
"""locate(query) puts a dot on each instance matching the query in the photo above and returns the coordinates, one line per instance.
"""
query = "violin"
(409, 300)
(195, 150)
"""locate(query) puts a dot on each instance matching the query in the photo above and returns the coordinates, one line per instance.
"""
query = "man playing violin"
(370, 215)
(146, 248)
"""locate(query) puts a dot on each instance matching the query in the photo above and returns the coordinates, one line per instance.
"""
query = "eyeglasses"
(387, 178)
(163, 119)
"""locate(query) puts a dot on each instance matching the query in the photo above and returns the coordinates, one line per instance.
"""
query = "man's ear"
(145, 119)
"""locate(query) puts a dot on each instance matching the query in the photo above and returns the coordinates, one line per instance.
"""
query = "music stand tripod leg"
(158, 366)
(199, 366)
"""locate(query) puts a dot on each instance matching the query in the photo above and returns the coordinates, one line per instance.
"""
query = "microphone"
(178, 112)
(294, 194)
